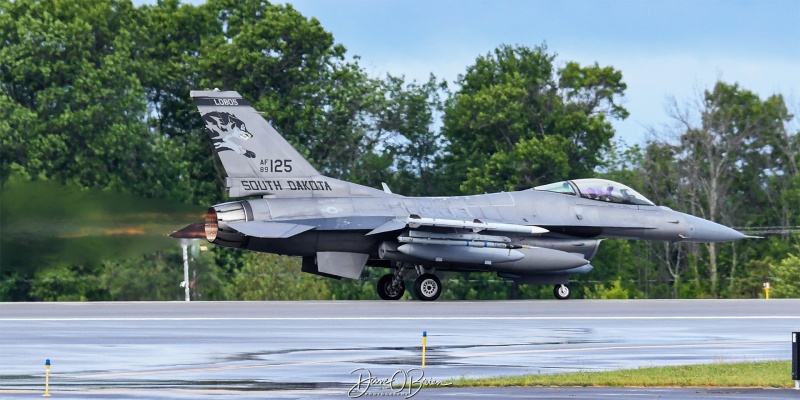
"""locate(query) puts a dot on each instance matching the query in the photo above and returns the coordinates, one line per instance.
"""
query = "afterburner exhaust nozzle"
(218, 218)
(212, 225)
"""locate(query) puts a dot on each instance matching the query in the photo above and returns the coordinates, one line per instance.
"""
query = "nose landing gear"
(562, 292)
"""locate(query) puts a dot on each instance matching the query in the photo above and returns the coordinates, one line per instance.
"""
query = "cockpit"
(598, 189)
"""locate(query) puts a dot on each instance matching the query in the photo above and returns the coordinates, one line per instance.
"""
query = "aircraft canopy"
(598, 189)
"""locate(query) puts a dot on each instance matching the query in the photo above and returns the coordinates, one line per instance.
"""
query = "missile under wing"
(540, 235)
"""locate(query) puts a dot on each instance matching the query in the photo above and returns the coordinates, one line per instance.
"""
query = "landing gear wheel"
(388, 290)
(562, 292)
(427, 287)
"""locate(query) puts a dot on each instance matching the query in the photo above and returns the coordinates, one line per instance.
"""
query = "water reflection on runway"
(280, 349)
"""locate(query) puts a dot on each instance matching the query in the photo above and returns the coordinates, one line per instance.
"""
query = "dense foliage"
(100, 146)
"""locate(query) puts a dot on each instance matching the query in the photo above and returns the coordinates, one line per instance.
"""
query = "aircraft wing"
(389, 226)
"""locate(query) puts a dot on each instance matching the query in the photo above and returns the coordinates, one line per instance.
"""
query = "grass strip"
(776, 374)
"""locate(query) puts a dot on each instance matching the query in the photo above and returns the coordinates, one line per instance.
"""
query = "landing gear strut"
(391, 286)
(562, 292)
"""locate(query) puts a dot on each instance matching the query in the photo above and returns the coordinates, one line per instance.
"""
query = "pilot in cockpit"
(607, 196)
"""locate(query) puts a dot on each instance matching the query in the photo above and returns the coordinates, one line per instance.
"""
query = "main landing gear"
(391, 286)
(562, 292)
(427, 287)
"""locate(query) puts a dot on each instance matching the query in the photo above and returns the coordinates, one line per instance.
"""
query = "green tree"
(272, 277)
(358, 289)
(785, 274)
(478, 286)
(73, 107)
(723, 142)
(289, 67)
(516, 121)
(410, 156)
(155, 276)
(67, 283)
(171, 52)
(151, 277)
(616, 291)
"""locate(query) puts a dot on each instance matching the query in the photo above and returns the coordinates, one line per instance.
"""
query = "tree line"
(95, 98)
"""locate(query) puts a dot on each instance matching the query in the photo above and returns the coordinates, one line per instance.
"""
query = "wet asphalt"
(325, 349)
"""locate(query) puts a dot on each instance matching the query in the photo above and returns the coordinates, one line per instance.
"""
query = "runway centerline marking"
(464, 318)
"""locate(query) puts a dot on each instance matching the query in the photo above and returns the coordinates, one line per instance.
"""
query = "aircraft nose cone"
(704, 231)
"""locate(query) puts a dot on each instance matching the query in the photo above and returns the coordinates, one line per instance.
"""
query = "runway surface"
(323, 349)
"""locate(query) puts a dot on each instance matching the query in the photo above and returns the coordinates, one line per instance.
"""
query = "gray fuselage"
(576, 224)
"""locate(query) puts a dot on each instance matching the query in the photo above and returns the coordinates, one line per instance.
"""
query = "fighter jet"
(540, 235)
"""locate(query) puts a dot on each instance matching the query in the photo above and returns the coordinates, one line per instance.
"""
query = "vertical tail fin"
(246, 143)
(256, 158)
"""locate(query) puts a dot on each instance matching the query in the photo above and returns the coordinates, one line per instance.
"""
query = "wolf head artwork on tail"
(228, 133)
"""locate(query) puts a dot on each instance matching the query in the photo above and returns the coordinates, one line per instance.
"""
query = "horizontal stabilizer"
(274, 230)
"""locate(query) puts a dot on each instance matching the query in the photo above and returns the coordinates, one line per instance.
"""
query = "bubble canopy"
(598, 189)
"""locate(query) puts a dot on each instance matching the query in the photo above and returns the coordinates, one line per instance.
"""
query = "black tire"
(387, 291)
(562, 292)
(427, 287)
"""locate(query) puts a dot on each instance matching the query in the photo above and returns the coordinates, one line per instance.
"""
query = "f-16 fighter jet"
(541, 235)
